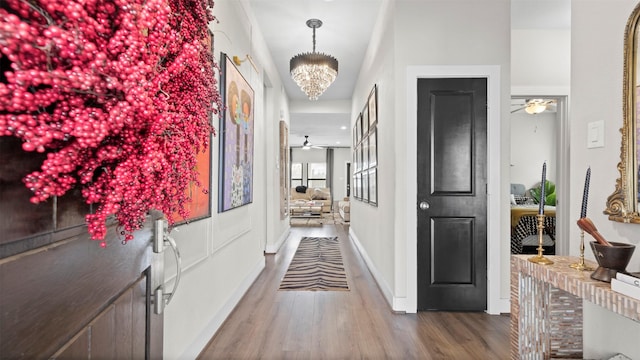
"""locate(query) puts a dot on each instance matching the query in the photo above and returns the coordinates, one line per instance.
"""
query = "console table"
(546, 307)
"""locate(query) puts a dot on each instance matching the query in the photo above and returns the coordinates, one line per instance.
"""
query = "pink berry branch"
(118, 94)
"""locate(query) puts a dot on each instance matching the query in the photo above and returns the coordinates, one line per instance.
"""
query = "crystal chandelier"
(313, 72)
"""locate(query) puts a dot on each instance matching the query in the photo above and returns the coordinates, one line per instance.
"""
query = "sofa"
(321, 195)
(344, 209)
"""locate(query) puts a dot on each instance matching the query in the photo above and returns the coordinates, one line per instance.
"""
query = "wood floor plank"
(355, 324)
(300, 322)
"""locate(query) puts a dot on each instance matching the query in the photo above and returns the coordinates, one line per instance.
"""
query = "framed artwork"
(365, 120)
(354, 188)
(358, 129)
(361, 151)
(354, 141)
(358, 155)
(365, 186)
(373, 186)
(373, 106)
(200, 205)
(235, 182)
(284, 168)
(365, 153)
(354, 161)
(373, 148)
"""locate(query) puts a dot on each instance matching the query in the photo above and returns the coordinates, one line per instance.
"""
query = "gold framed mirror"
(622, 205)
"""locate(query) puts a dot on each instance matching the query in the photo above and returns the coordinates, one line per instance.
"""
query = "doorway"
(547, 133)
(495, 254)
(348, 172)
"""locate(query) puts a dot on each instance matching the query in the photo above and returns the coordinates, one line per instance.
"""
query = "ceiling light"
(306, 145)
(313, 72)
(535, 106)
(343, 127)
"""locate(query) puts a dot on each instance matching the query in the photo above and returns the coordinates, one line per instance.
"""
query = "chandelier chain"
(314, 39)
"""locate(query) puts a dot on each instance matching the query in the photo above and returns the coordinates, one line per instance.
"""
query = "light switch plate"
(595, 134)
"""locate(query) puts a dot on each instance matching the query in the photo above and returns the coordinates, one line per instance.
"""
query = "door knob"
(424, 205)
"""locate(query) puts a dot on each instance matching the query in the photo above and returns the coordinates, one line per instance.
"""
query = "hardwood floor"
(355, 324)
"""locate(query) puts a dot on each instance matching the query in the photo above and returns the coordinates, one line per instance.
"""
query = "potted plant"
(549, 192)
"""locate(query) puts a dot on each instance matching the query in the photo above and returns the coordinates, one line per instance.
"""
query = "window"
(316, 175)
(296, 174)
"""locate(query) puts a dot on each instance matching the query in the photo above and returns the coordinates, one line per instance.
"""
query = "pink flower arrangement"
(118, 94)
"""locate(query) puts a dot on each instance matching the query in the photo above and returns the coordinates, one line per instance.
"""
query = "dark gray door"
(61, 294)
(452, 195)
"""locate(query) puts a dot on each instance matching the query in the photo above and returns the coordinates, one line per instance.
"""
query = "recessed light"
(338, 142)
(343, 128)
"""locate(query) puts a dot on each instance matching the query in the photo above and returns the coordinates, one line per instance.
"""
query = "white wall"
(540, 59)
(533, 141)
(374, 228)
(596, 77)
(298, 155)
(222, 255)
(421, 33)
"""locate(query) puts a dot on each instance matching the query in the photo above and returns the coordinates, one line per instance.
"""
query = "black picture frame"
(365, 151)
(373, 186)
(372, 104)
(365, 120)
(359, 129)
(373, 148)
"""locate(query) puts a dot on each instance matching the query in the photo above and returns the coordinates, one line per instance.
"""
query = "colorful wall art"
(236, 139)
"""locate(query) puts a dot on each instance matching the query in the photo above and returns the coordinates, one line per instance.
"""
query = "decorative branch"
(118, 94)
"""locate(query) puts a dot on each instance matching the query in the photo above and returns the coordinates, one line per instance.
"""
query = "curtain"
(330, 169)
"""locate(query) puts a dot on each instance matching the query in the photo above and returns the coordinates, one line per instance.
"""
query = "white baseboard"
(401, 304)
(273, 248)
(394, 303)
(504, 306)
(210, 330)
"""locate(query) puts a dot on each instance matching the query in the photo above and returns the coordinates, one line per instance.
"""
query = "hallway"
(355, 324)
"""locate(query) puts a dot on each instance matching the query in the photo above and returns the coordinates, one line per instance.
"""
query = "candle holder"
(540, 259)
(580, 265)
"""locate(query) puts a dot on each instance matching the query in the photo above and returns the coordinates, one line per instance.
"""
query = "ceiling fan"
(306, 145)
(536, 106)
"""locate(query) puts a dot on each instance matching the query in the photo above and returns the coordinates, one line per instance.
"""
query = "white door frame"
(495, 304)
(562, 157)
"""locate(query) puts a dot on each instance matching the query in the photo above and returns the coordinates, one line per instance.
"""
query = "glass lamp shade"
(313, 72)
(535, 108)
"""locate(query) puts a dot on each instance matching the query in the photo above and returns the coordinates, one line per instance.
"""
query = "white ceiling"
(347, 27)
(344, 34)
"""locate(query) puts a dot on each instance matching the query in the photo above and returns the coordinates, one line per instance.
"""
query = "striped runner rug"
(316, 266)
